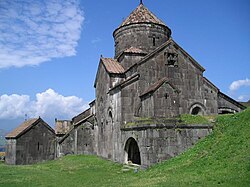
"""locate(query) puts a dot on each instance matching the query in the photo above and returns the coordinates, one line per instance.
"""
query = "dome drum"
(144, 36)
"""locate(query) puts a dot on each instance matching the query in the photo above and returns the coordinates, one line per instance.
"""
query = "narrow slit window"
(153, 41)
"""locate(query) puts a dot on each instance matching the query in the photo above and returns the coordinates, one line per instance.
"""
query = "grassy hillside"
(221, 159)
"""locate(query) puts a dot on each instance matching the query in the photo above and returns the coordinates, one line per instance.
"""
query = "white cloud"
(12, 106)
(239, 83)
(32, 32)
(48, 104)
(244, 98)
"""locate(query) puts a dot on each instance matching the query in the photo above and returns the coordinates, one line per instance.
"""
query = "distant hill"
(246, 104)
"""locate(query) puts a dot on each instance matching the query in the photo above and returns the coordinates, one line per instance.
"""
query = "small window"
(38, 146)
(171, 59)
(166, 95)
(153, 41)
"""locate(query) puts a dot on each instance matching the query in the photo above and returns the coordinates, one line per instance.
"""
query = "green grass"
(196, 119)
(183, 119)
(68, 171)
(221, 159)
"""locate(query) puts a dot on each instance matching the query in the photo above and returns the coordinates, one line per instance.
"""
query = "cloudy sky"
(50, 49)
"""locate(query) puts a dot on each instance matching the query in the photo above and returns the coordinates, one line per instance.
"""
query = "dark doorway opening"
(196, 111)
(132, 151)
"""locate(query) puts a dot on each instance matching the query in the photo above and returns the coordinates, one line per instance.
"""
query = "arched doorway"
(132, 152)
(196, 111)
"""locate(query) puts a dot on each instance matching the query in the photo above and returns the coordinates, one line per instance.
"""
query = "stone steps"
(131, 167)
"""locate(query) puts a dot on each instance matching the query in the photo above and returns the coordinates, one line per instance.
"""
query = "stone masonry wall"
(140, 36)
(36, 145)
(226, 104)
(159, 143)
(10, 151)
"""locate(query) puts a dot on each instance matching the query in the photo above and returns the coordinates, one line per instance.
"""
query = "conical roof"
(141, 15)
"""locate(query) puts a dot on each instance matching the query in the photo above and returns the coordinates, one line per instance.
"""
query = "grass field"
(221, 159)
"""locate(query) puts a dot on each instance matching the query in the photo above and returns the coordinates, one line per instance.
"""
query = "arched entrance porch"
(132, 152)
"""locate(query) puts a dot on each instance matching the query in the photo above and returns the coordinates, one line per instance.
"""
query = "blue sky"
(50, 49)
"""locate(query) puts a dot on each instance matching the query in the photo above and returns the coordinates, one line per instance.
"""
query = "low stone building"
(31, 142)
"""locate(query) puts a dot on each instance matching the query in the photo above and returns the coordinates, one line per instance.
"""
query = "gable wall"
(102, 105)
(166, 106)
(36, 145)
(85, 139)
(186, 77)
(107, 127)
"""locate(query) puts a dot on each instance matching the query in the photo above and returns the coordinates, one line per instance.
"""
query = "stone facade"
(33, 141)
(151, 77)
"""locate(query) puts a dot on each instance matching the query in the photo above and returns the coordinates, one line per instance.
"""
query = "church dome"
(142, 30)
(142, 15)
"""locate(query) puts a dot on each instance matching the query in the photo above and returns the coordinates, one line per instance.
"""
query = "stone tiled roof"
(112, 66)
(156, 85)
(133, 50)
(23, 127)
(62, 126)
(141, 15)
(81, 116)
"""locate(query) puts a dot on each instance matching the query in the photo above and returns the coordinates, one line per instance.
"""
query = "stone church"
(139, 93)
(150, 81)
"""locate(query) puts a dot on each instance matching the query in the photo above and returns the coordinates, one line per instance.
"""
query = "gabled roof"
(152, 88)
(141, 15)
(81, 116)
(25, 126)
(112, 66)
